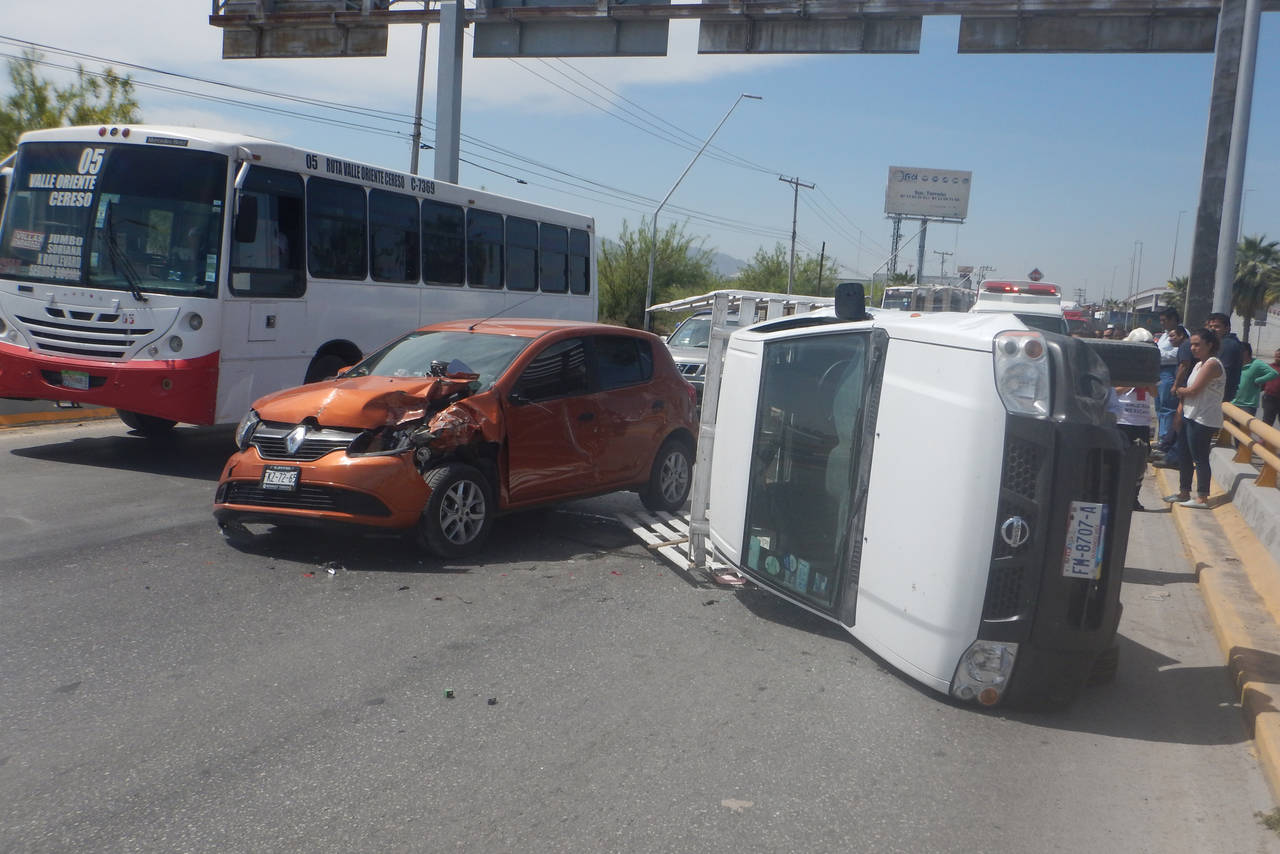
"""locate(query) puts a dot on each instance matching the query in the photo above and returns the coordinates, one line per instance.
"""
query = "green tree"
(901, 278)
(1257, 278)
(682, 267)
(1178, 285)
(37, 103)
(768, 271)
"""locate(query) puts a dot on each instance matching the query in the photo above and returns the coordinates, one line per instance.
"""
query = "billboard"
(931, 193)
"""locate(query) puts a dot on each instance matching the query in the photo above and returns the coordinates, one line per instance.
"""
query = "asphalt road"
(163, 691)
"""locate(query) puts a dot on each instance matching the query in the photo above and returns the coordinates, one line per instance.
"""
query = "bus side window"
(484, 249)
(579, 261)
(337, 244)
(522, 254)
(270, 264)
(553, 266)
(444, 241)
(393, 236)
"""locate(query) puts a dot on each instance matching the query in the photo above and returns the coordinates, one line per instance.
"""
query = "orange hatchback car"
(455, 423)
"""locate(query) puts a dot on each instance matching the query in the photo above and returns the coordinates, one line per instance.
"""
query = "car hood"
(688, 354)
(361, 402)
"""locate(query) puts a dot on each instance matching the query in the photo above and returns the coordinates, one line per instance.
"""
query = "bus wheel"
(459, 513)
(324, 368)
(670, 477)
(148, 425)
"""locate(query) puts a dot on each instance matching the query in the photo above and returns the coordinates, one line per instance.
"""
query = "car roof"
(528, 327)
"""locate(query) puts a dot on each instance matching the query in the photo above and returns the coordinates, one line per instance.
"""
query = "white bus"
(178, 274)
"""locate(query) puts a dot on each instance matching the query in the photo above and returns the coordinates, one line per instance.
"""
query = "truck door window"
(806, 464)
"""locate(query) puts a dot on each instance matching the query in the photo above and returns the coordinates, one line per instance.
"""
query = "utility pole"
(942, 264)
(822, 256)
(796, 184)
(893, 250)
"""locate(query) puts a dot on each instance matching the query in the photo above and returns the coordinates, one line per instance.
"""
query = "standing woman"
(1201, 418)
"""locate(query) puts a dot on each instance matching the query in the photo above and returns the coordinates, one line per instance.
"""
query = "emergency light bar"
(1021, 288)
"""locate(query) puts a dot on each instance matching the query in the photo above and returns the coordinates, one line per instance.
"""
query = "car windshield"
(696, 331)
(483, 353)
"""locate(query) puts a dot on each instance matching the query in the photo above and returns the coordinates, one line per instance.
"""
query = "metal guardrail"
(1253, 437)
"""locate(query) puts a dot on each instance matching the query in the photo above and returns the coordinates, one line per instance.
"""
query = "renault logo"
(1015, 532)
(296, 437)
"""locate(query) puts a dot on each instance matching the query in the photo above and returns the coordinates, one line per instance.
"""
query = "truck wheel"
(1130, 363)
(459, 513)
(148, 425)
(324, 367)
(670, 477)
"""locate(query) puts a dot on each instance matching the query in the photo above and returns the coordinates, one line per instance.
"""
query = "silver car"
(688, 345)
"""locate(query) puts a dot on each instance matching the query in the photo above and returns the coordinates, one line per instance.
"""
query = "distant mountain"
(726, 265)
(721, 264)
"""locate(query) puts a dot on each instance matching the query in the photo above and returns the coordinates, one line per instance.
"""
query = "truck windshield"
(121, 217)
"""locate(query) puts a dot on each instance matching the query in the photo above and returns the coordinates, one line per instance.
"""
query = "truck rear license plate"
(280, 478)
(1086, 526)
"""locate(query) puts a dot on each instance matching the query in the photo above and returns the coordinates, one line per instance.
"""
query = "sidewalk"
(21, 413)
(1234, 550)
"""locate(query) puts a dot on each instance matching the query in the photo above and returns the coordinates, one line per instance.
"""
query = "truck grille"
(88, 333)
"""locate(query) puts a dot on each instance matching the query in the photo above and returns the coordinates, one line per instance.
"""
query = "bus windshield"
(119, 217)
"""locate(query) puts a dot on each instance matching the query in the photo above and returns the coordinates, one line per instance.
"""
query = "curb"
(1240, 583)
(25, 419)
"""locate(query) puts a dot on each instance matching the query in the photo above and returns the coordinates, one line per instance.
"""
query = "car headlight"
(244, 430)
(983, 672)
(1022, 372)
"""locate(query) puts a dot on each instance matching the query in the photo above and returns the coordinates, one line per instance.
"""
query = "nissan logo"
(1015, 532)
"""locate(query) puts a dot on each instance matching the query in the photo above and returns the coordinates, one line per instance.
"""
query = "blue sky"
(1075, 158)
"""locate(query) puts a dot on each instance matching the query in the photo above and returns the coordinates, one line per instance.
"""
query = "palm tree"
(1257, 277)
(1178, 285)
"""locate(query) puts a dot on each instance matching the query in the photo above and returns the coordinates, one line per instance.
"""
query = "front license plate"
(281, 478)
(75, 379)
(1086, 527)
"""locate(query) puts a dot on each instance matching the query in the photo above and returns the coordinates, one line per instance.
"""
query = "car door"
(552, 429)
(632, 414)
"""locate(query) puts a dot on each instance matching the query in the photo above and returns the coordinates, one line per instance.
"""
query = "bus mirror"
(851, 302)
(247, 219)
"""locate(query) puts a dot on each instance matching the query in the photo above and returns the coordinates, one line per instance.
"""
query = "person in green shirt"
(1253, 376)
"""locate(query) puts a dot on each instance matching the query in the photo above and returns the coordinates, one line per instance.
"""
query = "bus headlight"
(1022, 372)
(175, 343)
(983, 672)
(244, 430)
(194, 322)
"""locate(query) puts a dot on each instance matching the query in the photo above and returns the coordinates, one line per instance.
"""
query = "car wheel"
(459, 513)
(670, 477)
(324, 368)
(148, 425)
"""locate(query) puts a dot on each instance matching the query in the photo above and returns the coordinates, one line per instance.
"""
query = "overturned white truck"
(950, 488)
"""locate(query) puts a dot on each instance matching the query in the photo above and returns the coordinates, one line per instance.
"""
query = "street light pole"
(653, 232)
(1173, 261)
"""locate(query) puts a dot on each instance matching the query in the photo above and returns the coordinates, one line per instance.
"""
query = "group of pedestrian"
(1199, 370)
